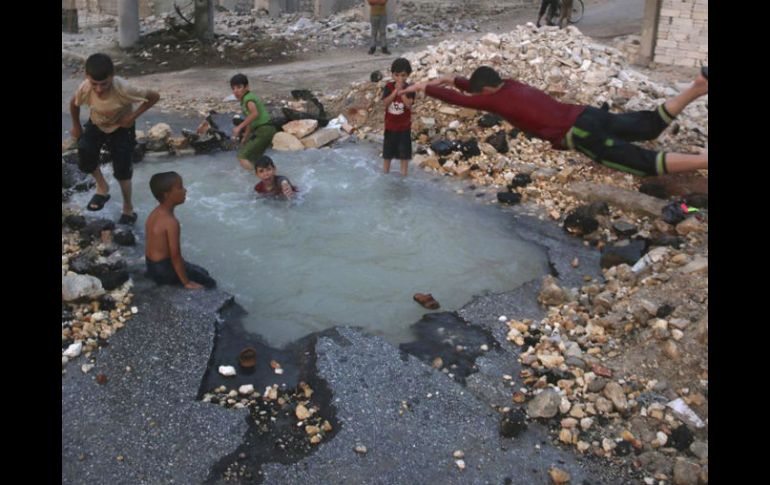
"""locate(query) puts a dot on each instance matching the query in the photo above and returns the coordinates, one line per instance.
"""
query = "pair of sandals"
(97, 203)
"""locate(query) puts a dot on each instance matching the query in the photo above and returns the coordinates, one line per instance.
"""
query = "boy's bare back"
(161, 232)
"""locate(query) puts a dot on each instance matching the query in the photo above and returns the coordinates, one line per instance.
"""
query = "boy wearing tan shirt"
(111, 121)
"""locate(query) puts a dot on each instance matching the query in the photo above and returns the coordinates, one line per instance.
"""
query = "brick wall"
(683, 30)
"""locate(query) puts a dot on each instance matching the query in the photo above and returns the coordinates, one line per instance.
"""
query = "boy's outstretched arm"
(172, 233)
(77, 129)
(129, 120)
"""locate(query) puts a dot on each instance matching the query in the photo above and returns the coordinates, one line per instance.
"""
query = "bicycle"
(553, 14)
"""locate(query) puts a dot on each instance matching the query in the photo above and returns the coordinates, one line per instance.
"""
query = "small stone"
(690, 225)
(671, 350)
(101, 379)
(73, 350)
(437, 363)
(661, 437)
(700, 449)
(614, 392)
(685, 472)
(315, 439)
(558, 476)
(600, 370)
(544, 405)
(246, 389)
(86, 368)
(502, 318)
(134, 310)
(361, 449)
(227, 370)
(575, 263)
(460, 464)
(458, 454)
(302, 412)
(586, 423)
(569, 423)
(312, 430)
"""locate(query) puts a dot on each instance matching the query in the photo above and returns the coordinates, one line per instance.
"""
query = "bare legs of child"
(684, 162)
(404, 167)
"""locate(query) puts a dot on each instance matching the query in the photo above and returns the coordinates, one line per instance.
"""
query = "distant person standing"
(379, 19)
(544, 4)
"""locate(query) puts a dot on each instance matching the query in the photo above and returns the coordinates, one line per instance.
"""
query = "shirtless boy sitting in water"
(162, 252)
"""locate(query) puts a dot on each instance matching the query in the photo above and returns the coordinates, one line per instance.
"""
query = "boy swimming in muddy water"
(256, 128)
(163, 254)
(271, 184)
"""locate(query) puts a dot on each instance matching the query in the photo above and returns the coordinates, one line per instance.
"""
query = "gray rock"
(616, 254)
(690, 225)
(626, 200)
(551, 293)
(300, 128)
(614, 392)
(124, 237)
(697, 265)
(686, 472)
(544, 405)
(700, 449)
(604, 300)
(575, 361)
(624, 228)
(287, 142)
(597, 384)
(80, 286)
(322, 137)
(655, 462)
(71, 176)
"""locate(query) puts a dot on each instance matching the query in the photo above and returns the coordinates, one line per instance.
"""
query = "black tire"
(577, 11)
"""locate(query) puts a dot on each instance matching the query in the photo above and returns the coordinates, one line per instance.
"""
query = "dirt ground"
(195, 83)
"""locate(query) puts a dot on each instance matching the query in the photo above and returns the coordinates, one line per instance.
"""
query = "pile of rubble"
(96, 298)
(287, 418)
(622, 365)
(301, 32)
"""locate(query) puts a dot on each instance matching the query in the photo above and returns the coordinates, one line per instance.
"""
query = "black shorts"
(397, 144)
(163, 273)
(606, 138)
(120, 143)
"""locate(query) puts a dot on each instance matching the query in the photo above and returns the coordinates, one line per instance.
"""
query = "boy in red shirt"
(398, 117)
(600, 135)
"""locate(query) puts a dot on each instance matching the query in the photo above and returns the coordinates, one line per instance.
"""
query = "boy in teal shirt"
(257, 130)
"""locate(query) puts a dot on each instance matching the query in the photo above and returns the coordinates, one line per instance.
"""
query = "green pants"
(257, 144)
